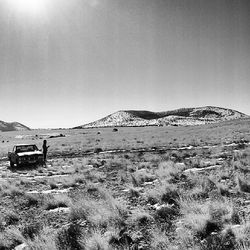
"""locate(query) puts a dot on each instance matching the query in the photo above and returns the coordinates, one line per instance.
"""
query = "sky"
(66, 63)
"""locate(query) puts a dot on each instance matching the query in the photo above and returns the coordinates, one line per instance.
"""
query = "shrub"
(159, 240)
(52, 202)
(98, 150)
(10, 238)
(31, 200)
(243, 185)
(44, 240)
(11, 218)
(170, 195)
(168, 170)
(30, 230)
(96, 240)
(141, 176)
(220, 241)
(140, 218)
(9, 189)
(166, 214)
(68, 238)
(133, 192)
(52, 185)
(99, 213)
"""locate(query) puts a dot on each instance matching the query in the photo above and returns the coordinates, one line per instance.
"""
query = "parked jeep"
(25, 154)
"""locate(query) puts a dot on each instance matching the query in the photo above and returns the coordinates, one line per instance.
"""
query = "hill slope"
(179, 117)
(12, 126)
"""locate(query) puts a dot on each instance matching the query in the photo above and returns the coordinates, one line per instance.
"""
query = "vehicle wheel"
(11, 164)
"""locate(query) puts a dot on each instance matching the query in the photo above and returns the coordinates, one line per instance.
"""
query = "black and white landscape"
(124, 124)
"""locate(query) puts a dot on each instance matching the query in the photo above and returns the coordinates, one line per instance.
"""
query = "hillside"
(179, 117)
(12, 126)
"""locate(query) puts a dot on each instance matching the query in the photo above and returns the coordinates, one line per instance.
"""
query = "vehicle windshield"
(26, 148)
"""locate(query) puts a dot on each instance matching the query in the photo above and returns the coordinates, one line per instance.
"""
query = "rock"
(23, 246)
(202, 169)
(58, 191)
(51, 191)
(66, 166)
(235, 226)
(148, 183)
(138, 189)
(180, 164)
(65, 210)
(88, 167)
(33, 192)
(158, 206)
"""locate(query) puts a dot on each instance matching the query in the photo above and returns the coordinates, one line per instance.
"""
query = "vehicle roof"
(24, 144)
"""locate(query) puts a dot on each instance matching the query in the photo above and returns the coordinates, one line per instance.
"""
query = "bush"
(31, 200)
(95, 241)
(11, 218)
(221, 241)
(166, 214)
(29, 231)
(52, 202)
(68, 238)
(243, 185)
(97, 150)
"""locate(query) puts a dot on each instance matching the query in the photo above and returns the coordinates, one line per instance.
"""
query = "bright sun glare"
(33, 7)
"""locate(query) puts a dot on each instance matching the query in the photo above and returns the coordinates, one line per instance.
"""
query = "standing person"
(45, 150)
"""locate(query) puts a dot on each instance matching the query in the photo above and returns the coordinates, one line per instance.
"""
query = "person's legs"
(44, 156)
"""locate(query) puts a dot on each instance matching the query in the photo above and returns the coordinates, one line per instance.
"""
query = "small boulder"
(23, 246)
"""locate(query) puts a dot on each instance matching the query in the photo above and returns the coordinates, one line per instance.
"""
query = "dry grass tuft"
(243, 185)
(52, 202)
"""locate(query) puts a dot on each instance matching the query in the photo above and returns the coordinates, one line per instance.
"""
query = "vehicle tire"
(11, 164)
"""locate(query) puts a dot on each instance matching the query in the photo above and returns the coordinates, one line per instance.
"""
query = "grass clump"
(31, 229)
(159, 240)
(243, 185)
(168, 170)
(163, 193)
(11, 238)
(99, 213)
(68, 238)
(203, 224)
(31, 200)
(140, 218)
(52, 202)
(10, 189)
(139, 177)
(96, 240)
(10, 218)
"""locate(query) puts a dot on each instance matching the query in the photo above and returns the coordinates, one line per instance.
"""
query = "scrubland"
(172, 188)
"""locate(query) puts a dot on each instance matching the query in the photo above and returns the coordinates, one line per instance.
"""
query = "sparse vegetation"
(187, 189)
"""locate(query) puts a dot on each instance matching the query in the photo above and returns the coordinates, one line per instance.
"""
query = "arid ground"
(129, 188)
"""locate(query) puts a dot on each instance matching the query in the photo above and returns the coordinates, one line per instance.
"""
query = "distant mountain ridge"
(12, 126)
(178, 117)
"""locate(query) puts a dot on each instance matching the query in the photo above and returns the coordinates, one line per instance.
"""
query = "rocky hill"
(179, 117)
(12, 126)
